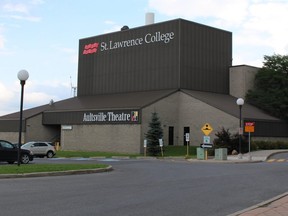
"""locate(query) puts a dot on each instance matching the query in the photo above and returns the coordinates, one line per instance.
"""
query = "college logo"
(90, 48)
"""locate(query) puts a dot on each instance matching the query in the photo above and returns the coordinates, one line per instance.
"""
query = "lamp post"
(240, 103)
(22, 75)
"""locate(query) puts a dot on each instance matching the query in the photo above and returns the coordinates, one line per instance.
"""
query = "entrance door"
(171, 136)
(186, 130)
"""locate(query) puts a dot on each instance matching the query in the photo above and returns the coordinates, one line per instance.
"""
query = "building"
(180, 69)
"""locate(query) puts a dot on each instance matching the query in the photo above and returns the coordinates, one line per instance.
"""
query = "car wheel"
(50, 154)
(25, 159)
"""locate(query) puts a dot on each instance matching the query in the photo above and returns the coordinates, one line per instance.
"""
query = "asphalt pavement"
(275, 206)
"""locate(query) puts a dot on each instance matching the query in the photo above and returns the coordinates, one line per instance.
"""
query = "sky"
(42, 37)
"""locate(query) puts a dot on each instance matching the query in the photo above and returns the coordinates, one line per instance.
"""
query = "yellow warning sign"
(207, 129)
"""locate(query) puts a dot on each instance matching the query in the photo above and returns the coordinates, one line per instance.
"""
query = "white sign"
(160, 142)
(145, 143)
(240, 131)
(206, 145)
(206, 139)
(66, 127)
(187, 137)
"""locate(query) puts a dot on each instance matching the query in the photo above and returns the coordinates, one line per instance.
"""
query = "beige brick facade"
(11, 136)
(181, 110)
(105, 138)
(178, 110)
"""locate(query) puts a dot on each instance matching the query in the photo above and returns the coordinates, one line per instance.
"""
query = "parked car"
(40, 149)
(9, 153)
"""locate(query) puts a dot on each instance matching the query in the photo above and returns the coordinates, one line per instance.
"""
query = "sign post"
(187, 138)
(161, 146)
(206, 129)
(250, 128)
(145, 147)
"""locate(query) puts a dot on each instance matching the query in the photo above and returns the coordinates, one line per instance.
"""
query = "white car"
(40, 149)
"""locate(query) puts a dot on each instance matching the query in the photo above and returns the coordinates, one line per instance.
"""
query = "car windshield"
(26, 145)
(6, 145)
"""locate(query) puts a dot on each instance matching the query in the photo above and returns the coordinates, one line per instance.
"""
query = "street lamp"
(22, 75)
(240, 103)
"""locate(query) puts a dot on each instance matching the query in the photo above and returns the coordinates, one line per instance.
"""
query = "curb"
(57, 173)
(224, 161)
(264, 203)
(270, 155)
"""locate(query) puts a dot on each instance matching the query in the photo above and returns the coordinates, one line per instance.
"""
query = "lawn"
(169, 151)
(36, 168)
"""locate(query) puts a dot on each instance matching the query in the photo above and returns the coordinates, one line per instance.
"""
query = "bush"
(230, 141)
(267, 145)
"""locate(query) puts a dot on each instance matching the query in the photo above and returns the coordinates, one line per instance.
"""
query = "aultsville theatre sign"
(111, 117)
(92, 117)
(149, 38)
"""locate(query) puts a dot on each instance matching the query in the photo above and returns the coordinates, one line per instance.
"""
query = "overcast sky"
(42, 36)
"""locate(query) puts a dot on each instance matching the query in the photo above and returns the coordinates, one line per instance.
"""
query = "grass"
(87, 154)
(169, 151)
(36, 168)
(178, 151)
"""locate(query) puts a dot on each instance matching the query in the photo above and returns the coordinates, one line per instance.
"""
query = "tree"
(270, 91)
(153, 135)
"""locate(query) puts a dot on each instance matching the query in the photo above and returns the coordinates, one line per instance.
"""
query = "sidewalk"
(253, 157)
(277, 206)
(262, 155)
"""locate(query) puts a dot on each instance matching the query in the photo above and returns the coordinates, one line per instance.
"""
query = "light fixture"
(22, 75)
(240, 103)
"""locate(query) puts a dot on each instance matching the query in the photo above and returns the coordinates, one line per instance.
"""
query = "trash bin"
(221, 154)
(200, 153)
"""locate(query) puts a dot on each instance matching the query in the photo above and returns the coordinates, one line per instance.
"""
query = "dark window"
(171, 136)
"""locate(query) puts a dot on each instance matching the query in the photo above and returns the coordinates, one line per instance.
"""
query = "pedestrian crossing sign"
(207, 129)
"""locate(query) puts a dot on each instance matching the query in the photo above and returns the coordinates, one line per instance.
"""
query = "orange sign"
(249, 127)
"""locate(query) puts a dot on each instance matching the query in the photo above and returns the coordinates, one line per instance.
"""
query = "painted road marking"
(277, 160)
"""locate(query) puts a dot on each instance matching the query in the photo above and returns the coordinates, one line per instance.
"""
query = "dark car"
(9, 153)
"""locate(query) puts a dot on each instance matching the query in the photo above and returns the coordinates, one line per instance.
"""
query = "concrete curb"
(223, 161)
(277, 152)
(267, 202)
(57, 173)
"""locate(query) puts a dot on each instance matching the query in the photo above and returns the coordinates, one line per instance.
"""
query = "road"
(146, 187)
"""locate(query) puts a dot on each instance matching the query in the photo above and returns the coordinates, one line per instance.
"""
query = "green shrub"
(267, 145)
(230, 141)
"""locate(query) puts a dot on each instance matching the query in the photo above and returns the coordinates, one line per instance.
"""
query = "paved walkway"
(262, 155)
(277, 206)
